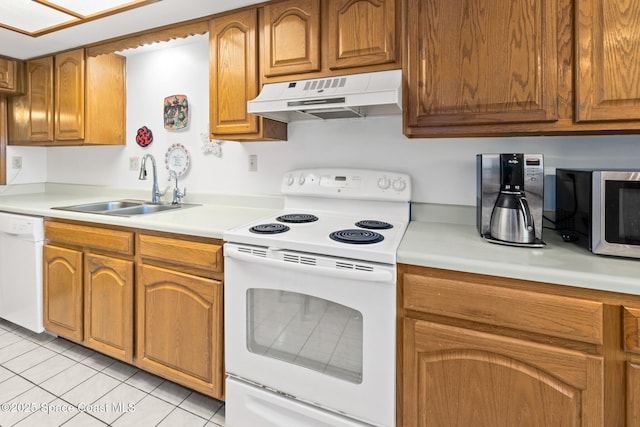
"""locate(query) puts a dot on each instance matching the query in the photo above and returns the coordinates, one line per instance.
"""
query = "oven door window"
(622, 212)
(306, 331)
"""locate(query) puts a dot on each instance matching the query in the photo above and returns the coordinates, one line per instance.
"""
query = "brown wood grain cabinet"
(607, 62)
(179, 328)
(291, 37)
(521, 67)
(485, 350)
(179, 312)
(71, 99)
(88, 282)
(63, 292)
(11, 76)
(98, 279)
(234, 75)
(108, 305)
(362, 32)
(304, 39)
(631, 339)
(470, 63)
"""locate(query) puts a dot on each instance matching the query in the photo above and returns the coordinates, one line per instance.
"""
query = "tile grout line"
(60, 351)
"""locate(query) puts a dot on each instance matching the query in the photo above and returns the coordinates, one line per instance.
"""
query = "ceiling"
(151, 15)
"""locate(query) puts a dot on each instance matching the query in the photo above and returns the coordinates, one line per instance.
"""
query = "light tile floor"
(49, 381)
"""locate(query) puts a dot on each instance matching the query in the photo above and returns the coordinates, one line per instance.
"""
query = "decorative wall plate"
(144, 137)
(177, 159)
(176, 112)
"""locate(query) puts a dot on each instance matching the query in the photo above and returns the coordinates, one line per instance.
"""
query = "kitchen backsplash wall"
(443, 170)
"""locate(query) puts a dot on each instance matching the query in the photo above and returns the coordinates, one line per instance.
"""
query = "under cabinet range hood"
(356, 95)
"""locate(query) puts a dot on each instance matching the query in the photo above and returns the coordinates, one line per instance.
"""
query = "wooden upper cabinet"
(291, 37)
(69, 95)
(71, 99)
(234, 76)
(31, 115)
(362, 32)
(11, 71)
(607, 48)
(475, 62)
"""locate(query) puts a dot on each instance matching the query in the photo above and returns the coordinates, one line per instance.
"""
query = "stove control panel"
(363, 184)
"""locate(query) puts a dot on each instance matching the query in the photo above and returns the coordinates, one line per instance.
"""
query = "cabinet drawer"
(188, 253)
(631, 318)
(547, 314)
(90, 237)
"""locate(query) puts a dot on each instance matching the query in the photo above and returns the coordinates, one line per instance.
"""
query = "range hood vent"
(356, 95)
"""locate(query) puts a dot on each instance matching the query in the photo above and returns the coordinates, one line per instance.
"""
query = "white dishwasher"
(21, 240)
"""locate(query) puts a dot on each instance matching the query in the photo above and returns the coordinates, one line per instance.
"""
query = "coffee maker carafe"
(510, 198)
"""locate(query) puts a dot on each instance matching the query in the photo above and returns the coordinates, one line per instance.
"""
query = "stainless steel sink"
(123, 207)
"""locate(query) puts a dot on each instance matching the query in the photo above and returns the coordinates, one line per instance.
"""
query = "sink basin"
(100, 207)
(143, 209)
(123, 207)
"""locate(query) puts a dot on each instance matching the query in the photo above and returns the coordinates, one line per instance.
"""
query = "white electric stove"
(310, 303)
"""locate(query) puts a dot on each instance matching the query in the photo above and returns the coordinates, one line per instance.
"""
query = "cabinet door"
(108, 305)
(179, 328)
(291, 37)
(607, 43)
(234, 72)
(63, 292)
(481, 62)
(633, 394)
(460, 377)
(10, 76)
(31, 115)
(362, 32)
(69, 95)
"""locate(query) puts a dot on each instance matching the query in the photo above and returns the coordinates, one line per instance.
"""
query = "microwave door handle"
(370, 276)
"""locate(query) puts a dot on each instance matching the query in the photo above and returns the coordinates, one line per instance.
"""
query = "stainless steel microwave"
(600, 209)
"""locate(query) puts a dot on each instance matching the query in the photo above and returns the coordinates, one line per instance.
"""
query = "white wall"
(443, 170)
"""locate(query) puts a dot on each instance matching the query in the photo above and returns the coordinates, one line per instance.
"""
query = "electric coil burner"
(372, 224)
(356, 236)
(297, 218)
(269, 228)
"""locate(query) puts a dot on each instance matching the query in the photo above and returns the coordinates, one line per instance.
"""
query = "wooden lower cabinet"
(461, 377)
(179, 328)
(488, 351)
(633, 394)
(98, 279)
(108, 305)
(63, 292)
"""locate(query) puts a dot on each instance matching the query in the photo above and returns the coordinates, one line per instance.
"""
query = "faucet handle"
(178, 195)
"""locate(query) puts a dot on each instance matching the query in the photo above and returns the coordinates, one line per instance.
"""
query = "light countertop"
(213, 215)
(438, 236)
(444, 241)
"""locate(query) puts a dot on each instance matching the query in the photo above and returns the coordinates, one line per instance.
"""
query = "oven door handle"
(377, 275)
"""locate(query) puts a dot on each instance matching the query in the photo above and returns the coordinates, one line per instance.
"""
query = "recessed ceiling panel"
(29, 16)
(85, 8)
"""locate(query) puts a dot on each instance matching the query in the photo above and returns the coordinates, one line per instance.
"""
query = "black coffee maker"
(510, 198)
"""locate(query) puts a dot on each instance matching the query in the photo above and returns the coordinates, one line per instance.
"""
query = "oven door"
(318, 329)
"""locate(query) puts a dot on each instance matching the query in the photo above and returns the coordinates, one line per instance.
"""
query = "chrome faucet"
(177, 194)
(156, 194)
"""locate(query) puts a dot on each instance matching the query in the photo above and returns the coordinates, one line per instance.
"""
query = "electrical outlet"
(134, 163)
(253, 163)
(16, 162)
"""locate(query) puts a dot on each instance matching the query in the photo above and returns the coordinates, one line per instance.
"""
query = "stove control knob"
(384, 183)
(301, 180)
(399, 184)
(290, 180)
